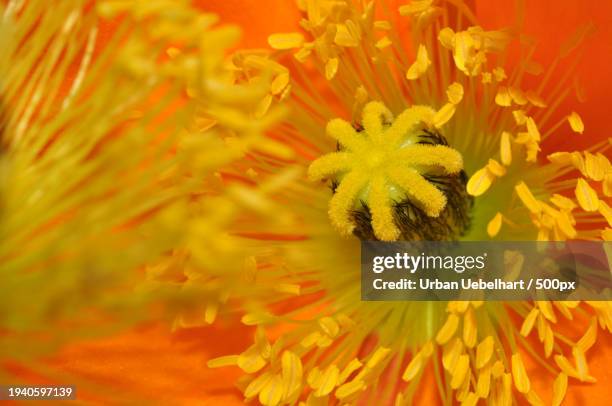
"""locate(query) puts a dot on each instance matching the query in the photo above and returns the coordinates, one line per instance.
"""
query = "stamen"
(576, 122)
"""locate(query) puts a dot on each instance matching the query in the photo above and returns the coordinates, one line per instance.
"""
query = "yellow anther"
(532, 129)
(562, 202)
(383, 43)
(382, 164)
(494, 225)
(444, 114)
(503, 97)
(586, 195)
(331, 68)
(518, 96)
(422, 12)
(505, 147)
(527, 198)
(576, 122)
(480, 182)
(419, 67)
(499, 74)
(286, 41)
(416, 7)
(521, 379)
(496, 168)
(520, 117)
(454, 93)
(470, 48)
(535, 99)
(595, 166)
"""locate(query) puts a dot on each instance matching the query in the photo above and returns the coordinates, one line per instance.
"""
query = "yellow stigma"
(382, 164)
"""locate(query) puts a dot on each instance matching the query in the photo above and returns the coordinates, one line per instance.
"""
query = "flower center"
(395, 179)
(375, 160)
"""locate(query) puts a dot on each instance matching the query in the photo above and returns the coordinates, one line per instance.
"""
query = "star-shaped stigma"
(384, 164)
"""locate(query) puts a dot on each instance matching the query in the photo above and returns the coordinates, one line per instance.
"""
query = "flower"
(496, 124)
(251, 235)
(101, 158)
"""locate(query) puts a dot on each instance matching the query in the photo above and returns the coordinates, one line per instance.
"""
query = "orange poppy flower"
(264, 111)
